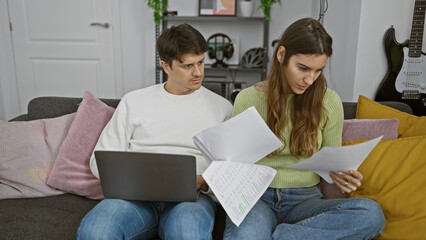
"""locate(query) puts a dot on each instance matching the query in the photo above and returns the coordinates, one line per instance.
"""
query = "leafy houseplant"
(265, 5)
(159, 6)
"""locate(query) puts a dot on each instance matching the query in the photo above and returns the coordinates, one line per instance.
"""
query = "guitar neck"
(416, 39)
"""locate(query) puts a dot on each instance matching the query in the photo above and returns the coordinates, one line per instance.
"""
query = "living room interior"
(357, 66)
(105, 49)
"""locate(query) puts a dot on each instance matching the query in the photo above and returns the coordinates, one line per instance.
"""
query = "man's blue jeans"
(302, 213)
(120, 219)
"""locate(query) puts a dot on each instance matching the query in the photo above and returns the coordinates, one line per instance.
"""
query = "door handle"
(104, 25)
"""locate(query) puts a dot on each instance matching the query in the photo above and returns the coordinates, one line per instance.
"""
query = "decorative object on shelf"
(275, 42)
(233, 60)
(246, 8)
(159, 6)
(217, 84)
(265, 5)
(253, 58)
(273, 47)
(237, 89)
(170, 13)
(221, 86)
(217, 8)
(220, 48)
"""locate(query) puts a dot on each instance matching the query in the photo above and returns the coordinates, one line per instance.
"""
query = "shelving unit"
(233, 69)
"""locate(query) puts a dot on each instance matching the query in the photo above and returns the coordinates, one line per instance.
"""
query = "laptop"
(147, 176)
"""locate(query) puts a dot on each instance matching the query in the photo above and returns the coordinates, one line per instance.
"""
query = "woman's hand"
(347, 181)
(202, 184)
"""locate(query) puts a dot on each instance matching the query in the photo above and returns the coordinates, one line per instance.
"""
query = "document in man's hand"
(238, 186)
(243, 138)
(337, 158)
(236, 181)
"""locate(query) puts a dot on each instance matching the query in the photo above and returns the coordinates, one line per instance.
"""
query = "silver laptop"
(147, 176)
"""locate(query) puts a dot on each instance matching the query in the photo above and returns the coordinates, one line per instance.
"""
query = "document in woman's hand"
(338, 158)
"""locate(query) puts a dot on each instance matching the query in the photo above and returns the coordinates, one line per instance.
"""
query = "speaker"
(220, 47)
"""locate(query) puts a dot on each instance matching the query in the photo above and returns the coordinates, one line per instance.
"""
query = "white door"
(63, 47)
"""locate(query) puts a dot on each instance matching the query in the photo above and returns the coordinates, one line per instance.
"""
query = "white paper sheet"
(238, 186)
(241, 141)
(243, 138)
(339, 158)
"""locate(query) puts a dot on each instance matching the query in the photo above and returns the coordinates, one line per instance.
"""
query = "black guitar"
(404, 80)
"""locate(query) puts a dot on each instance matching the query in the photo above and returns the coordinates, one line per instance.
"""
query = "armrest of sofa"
(23, 117)
(350, 108)
(51, 107)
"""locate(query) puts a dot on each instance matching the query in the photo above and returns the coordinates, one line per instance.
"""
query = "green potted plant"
(159, 6)
(265, 5)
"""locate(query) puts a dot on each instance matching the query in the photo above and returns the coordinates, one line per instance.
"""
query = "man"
(162, 118)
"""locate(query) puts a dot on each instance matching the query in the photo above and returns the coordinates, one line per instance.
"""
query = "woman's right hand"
(347, 181)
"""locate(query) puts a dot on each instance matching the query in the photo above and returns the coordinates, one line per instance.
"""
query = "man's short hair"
(178, 40)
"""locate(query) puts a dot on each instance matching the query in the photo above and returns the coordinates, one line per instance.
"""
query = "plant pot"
(246, 8)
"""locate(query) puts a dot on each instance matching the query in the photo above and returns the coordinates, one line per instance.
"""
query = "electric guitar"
(404, 80)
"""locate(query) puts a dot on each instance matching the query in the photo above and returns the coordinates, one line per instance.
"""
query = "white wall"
(376, 18)
(9, 102)
(2, 112)
(3, 76)
(357, 26)
(138, 44)
(342, 23)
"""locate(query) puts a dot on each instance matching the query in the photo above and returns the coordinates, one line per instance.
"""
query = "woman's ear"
(281, 54)
(166, 67)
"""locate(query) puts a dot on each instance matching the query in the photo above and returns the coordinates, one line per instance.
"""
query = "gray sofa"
(58, 217)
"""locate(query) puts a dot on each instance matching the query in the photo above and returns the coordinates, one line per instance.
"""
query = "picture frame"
(217, 8)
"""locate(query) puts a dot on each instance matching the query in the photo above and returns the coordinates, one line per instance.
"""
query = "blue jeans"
(302, 213)
(120, 219)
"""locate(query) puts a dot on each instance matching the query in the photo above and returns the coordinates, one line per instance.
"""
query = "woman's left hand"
(347, 181)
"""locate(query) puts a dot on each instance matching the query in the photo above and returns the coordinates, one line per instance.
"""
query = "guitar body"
(387, 88)
(411, 75)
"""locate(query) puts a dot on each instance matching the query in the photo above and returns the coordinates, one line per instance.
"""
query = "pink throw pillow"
(365, 129)
(71, 171)
(27, 152)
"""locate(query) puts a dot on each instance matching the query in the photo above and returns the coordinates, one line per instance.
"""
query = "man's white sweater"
(153, 120)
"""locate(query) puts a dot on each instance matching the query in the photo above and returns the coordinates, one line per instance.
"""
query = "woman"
(299, 108)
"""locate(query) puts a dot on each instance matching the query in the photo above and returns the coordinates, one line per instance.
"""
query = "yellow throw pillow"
(395, 176)
(409, 125)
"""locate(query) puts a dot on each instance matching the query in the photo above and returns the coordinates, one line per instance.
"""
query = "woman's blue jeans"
(120, 219)
(302, 213)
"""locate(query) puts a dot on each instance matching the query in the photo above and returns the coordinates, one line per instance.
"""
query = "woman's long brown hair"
(305, 36)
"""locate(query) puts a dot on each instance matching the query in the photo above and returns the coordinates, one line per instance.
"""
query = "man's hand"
(202, 184)
(347, 182)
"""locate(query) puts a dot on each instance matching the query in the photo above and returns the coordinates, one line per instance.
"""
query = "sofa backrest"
(50, 107)
(349, 108)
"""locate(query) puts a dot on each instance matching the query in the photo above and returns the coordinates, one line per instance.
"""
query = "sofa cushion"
(27, 153)
(409, 125)
(55, 217)
(71, 172)
(395, 176)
